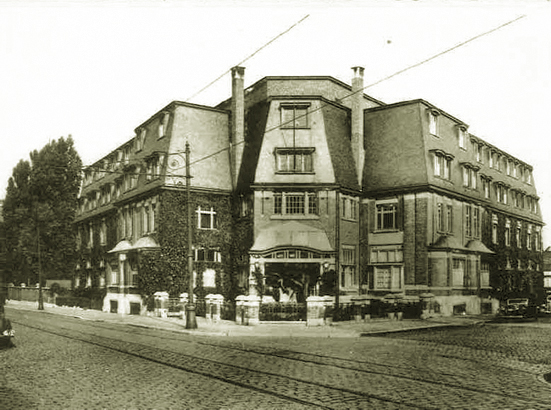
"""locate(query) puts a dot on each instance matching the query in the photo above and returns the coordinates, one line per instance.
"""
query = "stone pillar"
(240, 310)
(161, 304)
(362, 308)
(328, 301)
(252, 310)
(214, 306)
(315, 311)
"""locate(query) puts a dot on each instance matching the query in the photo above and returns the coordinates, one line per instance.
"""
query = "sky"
(96, 70)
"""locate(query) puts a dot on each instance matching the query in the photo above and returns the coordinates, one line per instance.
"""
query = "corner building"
(308, 177)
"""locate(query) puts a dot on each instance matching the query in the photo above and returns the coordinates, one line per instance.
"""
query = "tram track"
(327, 396)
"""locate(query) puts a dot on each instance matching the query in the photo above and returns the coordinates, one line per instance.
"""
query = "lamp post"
(40, 297)
(191, 321)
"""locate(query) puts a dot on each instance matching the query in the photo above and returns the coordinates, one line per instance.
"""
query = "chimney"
(357, 123)
(237, 121)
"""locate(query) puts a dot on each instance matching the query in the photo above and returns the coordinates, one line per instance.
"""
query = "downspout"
(338, 251)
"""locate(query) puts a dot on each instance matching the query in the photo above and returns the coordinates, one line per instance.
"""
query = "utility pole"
(40, 298)
(191, 321)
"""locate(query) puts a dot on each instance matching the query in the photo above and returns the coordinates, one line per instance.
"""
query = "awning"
(146, 242)
(291, 234)
(477, 246)
(448, 242)
(122, 246)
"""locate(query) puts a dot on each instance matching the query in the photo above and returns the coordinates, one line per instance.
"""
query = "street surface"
(68, 363)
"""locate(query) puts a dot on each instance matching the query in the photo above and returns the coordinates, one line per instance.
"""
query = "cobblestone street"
(62, 362)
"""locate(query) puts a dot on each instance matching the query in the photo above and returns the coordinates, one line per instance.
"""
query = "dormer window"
(433, 122)
(470, 175)
(294, 115)
(163, 124)
(442, 164)
(140, 139)
(294, 160)
(462, 136)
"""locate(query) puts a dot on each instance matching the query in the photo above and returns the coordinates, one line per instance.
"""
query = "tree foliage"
(40, 206)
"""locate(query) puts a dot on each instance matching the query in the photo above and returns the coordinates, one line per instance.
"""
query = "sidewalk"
(206, 327)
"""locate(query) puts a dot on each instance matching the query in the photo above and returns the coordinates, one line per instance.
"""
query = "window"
(206, 218)
(442, 164)
(294, 116)
(295, 160)
(207, 255)
(458, 272)
(386, 255)
(444, 218)
(140, 139)
(387, 216)
(91, 235)
(154, 166)
(476, 222)
(486, 187)
(529, 237)
(494, 229)
(163, 124)
(507, 232)
(209, 278)
(501, 193)
(296, 203)
(463, 136)
(478, 151)
(537, 238)
(388, 277)
(433, 122)
(349, 275)
(349, 208)
(517, 236)
(470, 174)
(468, 220)
(103, 233)
(484, 274)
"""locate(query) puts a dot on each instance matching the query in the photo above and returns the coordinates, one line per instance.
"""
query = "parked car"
(520, 308)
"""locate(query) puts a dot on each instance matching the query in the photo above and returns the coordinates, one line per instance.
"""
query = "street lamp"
(191, 320)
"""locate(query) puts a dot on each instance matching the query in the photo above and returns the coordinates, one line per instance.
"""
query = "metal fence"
(278, 312)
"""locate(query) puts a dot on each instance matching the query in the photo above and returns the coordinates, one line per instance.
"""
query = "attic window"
(433, 121)
(295, 160)
(294, 115)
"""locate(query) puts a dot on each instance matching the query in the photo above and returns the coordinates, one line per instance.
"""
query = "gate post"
(240, 310)
(315, 311)
(161, 304)
(252, 307)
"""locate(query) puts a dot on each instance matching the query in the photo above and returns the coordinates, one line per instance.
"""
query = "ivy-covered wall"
(506, 277)
(98, 252)
(167, 270)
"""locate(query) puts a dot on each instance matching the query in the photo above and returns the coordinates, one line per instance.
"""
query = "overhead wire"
(323, 105)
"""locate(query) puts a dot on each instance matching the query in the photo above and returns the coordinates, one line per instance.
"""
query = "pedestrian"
(6, 331)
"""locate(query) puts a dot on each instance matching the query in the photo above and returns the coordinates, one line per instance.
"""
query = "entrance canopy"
(291, 234)
(146, 242)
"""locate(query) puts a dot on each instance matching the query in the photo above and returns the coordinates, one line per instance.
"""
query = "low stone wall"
(29, 294)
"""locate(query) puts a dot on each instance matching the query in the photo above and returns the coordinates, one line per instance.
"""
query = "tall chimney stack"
(357, 123)
(238, 121)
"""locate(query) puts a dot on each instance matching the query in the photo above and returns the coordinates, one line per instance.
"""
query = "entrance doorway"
(291, 281)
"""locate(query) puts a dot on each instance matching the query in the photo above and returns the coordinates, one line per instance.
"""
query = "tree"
(16, 212)
(42, 199)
